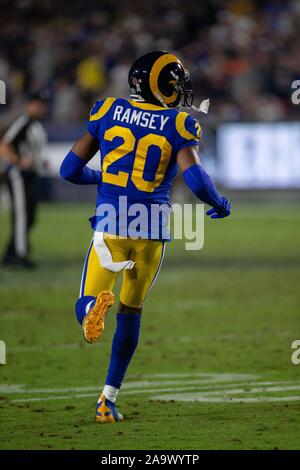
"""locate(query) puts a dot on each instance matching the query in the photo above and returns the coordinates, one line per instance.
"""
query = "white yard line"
(208, 376)
(186, 396)
(199, 398)
(204, 380)
(144, 386)
(185, 386)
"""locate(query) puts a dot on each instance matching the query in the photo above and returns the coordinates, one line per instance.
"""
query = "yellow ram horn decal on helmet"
(157, 67)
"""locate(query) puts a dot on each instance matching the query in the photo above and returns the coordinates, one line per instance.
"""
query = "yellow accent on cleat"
(105, 414)
(93, 323)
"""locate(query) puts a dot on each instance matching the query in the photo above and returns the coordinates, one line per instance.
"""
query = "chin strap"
(160, 99)
(203, 107)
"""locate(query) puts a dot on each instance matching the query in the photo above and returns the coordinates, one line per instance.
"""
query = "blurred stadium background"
(238, 298)
(243, 54)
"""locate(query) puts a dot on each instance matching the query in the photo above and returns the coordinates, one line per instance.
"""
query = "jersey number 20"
(121, 178)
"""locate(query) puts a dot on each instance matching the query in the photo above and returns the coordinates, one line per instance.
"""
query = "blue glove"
(220, 212)
(201, 184)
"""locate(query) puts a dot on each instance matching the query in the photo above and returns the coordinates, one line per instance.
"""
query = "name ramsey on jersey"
(140, 118)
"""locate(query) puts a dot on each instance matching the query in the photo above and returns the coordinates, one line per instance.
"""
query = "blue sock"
(81, 305)
(124, 344)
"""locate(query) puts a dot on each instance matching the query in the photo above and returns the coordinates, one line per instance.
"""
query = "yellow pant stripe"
(137, 282)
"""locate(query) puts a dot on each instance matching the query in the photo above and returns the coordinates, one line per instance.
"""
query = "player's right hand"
(224, 210)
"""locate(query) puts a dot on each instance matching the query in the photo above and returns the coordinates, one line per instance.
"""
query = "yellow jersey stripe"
(180, 127)
(103, 110)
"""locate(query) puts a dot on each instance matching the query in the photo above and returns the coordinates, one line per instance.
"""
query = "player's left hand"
(220, 212)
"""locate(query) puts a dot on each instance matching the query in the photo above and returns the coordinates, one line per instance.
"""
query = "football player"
(142, 142)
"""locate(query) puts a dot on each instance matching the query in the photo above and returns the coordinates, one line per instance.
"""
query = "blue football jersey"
(138, 145)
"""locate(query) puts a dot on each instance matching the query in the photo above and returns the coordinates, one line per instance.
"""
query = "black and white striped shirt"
(28, 137)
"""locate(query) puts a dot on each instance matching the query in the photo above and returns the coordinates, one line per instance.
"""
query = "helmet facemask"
(186, 90)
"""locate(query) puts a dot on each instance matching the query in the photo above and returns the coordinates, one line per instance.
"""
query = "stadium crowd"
(243, 54)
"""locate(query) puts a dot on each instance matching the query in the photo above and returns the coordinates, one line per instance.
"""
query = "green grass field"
(213, 369)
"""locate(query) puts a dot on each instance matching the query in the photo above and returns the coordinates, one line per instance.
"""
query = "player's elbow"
(194, 178)
(63, 171)
(66, 172)
(71, 167)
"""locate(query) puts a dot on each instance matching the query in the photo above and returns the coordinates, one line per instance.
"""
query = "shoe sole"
(109, 419)
(93, 324)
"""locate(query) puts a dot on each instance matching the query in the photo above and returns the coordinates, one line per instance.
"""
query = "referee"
(22, 149)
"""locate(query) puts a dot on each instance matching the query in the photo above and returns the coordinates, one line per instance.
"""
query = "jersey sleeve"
(188, 131)
(98, 111)
(93, 124)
